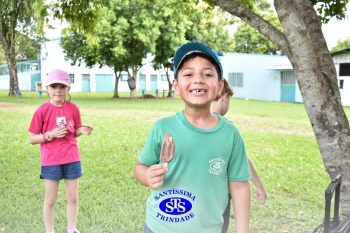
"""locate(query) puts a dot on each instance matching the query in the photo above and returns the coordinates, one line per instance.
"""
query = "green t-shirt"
(194, 193)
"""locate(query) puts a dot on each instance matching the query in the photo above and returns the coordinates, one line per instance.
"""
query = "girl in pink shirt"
(55, 126)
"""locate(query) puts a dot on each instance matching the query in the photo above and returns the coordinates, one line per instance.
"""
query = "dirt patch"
(4, 105)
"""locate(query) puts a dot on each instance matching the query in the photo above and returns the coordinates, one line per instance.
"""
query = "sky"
(337, 30)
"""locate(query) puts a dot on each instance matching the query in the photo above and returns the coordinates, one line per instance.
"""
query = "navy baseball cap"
(194, 46)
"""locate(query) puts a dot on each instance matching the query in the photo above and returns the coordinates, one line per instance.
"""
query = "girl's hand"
(86, 130)
(58, 132)
(261, 195)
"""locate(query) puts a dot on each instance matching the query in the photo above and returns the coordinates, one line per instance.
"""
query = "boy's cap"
(194, 46)
(58, 76)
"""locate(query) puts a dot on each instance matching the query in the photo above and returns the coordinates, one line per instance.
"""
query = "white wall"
(52, 57)
(24, 81)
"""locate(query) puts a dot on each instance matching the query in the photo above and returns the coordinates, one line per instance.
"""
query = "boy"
(190, 195)
(221, 106)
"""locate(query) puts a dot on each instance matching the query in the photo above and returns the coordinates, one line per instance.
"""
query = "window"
(142, 77)
(124, 77)
(163, 77)
(235, 79)
(344, 69)
(153, 77)
(341, 83)
(288, 78)
(86, 77)
(71, 77)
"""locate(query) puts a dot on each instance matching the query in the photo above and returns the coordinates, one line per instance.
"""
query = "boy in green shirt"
(190, 195)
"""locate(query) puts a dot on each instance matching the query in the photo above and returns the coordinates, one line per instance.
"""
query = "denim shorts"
(68, 171)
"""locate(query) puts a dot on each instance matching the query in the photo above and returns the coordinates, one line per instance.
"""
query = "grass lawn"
(278, 137)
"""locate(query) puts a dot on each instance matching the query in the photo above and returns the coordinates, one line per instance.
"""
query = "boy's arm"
(240, 193)
(260, 190)
(152, 176)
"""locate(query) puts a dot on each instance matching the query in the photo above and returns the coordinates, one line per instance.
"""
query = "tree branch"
(256, 21)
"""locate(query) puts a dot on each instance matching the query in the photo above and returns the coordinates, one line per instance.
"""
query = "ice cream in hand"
(168, 149)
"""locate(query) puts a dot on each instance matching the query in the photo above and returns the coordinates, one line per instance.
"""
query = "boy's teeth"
(197, 91)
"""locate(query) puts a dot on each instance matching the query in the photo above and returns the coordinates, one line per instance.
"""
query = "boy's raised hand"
(155, 175)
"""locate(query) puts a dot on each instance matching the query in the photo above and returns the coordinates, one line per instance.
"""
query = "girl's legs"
(51, 191)
(72, 187)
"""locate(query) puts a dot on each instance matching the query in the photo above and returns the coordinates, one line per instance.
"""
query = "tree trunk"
(8, 42)
(170, 87)
(303, 42)
(317, 79)
(133, 94)
(116, 94)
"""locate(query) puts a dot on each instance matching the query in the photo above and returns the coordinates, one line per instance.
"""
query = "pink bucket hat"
(58, 76)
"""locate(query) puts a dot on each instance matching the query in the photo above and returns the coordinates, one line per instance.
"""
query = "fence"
(22, 66)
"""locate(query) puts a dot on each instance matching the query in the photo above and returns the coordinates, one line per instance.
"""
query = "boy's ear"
(221, 87)
(175, 86)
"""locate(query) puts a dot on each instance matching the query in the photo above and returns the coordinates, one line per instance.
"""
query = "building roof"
(279, 67)
(347, 50)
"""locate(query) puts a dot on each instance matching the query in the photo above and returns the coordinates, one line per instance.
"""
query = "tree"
(172, 34)
(210, 25)
(15, 14)
(19, 16)
(26, 48)
(203, 23)
(2, 56)
(126, 30)
(249, 40)
(341, 45)
(302, 40)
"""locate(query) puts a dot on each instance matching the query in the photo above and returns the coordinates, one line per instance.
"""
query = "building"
(342, 64)
(252, 76)
(247, 73)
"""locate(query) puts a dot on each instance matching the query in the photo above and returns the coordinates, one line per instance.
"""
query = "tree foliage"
(128, 31)
(341, 45)
(211, 26)
(249, 40)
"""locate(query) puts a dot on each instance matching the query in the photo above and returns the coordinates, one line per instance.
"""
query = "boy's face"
(198, 83)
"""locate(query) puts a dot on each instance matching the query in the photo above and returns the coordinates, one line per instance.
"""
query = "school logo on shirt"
(216, 166)
(175, 205)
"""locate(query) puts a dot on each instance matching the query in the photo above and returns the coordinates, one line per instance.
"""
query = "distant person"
(221, 105)
(55, 126)
(190, 194)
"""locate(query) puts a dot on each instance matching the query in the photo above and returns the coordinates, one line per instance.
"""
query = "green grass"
(278, 138)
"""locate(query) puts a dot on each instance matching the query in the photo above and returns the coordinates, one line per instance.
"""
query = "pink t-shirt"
(59, 150)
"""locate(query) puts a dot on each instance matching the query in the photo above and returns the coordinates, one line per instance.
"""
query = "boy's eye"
(207, 75)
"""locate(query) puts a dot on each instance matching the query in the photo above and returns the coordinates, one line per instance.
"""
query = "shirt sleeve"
(238, 167)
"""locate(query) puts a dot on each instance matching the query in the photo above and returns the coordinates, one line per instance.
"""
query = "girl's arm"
(36, 138)
(86, 130)
(47, 136)
(240, 193)
(260, 190)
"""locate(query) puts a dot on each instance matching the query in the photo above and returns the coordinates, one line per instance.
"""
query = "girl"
(55, 126)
